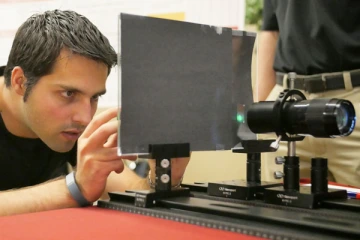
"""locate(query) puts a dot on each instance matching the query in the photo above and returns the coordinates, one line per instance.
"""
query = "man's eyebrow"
(100, 93)
(73, 89)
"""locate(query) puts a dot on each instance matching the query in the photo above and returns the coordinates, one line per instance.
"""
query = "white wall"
(104, 14)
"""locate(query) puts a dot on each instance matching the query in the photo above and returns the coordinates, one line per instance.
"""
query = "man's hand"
(97, 155)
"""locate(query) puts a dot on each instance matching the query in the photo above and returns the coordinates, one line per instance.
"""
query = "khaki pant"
(343, 153)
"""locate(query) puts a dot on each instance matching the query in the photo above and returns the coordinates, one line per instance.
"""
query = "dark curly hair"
(41, 37)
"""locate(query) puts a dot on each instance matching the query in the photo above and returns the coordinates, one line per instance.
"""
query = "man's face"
(62, 104)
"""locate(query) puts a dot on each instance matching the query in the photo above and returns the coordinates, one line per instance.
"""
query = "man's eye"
(68, 94)
(96, 98)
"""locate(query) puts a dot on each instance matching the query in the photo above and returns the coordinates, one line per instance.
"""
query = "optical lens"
(339, 117)
(342, 117)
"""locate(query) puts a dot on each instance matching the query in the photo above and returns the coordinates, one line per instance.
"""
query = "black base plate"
(239, 189)
(147, 198)
(302, 198)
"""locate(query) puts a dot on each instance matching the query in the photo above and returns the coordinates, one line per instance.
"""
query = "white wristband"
(75, 191)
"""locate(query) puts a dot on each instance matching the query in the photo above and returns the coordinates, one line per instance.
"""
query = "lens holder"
(278, 113)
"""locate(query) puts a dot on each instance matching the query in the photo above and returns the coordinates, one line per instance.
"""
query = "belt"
(321, 82)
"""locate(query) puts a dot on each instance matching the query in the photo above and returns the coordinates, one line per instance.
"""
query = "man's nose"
(83, 113)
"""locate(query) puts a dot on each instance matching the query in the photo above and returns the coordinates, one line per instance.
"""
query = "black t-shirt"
(26, 162)
(315, 36)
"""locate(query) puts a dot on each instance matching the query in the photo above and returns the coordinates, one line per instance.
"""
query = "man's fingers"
(112, 141)
(100, 136)
(108, 154)
(115, 165)
(99, 120)
(130, 157)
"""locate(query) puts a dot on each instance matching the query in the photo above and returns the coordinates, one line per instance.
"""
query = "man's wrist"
(75, 190)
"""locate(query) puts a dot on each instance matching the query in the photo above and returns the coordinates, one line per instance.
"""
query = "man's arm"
(95, 161)
(46, 196)
(266, 78)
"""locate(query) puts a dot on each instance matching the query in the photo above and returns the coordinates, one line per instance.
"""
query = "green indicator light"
(240, 118)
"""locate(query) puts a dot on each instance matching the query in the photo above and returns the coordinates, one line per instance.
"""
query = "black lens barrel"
(322, 118)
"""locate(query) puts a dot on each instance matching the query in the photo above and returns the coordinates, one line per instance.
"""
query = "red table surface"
(98, 223)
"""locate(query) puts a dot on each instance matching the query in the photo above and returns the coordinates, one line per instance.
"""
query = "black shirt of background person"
(314, 36)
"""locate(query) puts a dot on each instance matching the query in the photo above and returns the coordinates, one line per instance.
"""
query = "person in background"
(319, 41)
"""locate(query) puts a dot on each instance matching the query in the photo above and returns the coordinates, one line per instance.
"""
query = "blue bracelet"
(75, 191)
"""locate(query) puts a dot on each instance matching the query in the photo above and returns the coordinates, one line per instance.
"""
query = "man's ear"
(18, 80)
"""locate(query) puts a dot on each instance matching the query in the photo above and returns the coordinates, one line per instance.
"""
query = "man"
(317, 40)
(56, 72)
